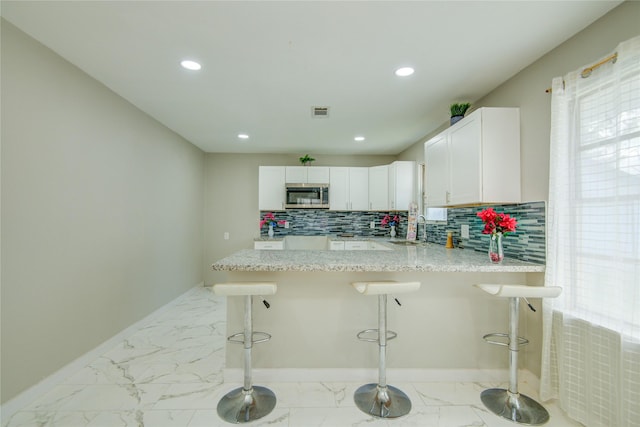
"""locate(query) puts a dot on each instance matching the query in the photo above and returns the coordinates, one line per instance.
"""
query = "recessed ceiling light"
(243, 136)
(190, 65)
(404, 71)
(359, 138)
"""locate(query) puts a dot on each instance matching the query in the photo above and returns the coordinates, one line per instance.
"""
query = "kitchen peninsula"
(315, 315)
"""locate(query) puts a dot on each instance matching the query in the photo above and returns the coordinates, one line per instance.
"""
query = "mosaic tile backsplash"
(527, 243)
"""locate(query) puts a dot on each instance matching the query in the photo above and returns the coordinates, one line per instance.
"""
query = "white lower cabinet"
(274, 245)
(477, 160)
(362, 245)
(336, 245)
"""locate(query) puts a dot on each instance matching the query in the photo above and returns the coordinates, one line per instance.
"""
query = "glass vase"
(270, 231)
(496, 254)
(393, 231)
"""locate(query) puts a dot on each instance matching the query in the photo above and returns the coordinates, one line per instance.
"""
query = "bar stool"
(247, 403)
(509, 403)
(382, 400)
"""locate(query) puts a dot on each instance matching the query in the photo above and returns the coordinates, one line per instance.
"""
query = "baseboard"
(235, 375)
(9, 408)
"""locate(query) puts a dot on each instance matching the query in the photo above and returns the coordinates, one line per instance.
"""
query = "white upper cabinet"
(349, 188)
(271, 189)
(339, 189)
(307, 174)
(477, 160)
(437, 171)
(378, 188)
(358, 188)
(402, 176)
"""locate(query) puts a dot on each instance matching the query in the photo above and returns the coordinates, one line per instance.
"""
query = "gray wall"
(101, 213)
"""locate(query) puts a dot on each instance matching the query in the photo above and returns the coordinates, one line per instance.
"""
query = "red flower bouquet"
(269, 218)
(495, 222)
(389, 220)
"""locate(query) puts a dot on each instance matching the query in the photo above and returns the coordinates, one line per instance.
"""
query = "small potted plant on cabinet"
(306, 160)
(457, 112)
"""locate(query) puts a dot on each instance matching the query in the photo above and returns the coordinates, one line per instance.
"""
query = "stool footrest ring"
(490, 338)
(362, 335)
(256, 337)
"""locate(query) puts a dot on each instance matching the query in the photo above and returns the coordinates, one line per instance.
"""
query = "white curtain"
(591, 348)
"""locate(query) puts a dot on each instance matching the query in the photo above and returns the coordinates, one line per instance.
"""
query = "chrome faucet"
(424, 228)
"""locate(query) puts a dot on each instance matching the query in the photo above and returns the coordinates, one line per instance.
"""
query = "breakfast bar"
(316, 313)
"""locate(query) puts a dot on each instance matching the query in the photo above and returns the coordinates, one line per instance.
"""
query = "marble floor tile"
(169, 373)
(209, 418)
(321, 417)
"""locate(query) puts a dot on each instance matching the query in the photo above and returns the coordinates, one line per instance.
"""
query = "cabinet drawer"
(279, 245)
(356, 246)
(336, 246)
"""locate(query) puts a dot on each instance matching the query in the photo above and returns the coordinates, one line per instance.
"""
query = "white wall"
(101, 213)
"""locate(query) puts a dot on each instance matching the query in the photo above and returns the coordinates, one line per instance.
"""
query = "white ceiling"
(266, 63)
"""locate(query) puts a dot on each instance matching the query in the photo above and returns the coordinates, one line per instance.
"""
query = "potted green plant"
(306, 160)
(457, 112)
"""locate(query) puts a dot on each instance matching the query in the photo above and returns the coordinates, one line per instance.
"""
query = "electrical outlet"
(286, 224)
(372, 225)
(464, 231)
(226, 235)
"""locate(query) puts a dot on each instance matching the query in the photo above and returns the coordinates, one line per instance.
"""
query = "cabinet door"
(318, 175)
(339, 189)
(401, 185)
(296, 174)
(436, 159)
(358, 189)
(465, 150)
(271, 189)
(379, 188)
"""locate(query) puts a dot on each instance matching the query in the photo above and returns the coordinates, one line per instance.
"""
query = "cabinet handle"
(447, 196)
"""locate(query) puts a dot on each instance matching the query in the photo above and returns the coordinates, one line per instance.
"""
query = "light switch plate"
(464, 231)
(286, 224)
(372, 225)
(226, 235)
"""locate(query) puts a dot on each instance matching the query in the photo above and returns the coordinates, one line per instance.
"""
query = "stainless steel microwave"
(299, 196)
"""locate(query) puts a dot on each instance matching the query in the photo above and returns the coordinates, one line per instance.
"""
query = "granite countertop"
(422, 257)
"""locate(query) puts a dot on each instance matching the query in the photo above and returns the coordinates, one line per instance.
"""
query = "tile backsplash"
(527, 243)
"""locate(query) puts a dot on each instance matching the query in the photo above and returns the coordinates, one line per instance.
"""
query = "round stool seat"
(388, 287)
(245, 288)
(521, 291)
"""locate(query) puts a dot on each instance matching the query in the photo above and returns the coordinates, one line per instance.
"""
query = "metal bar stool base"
(382, 402)
(242, 406)
(514, 407)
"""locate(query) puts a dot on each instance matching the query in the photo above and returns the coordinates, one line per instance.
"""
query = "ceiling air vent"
(318, 112)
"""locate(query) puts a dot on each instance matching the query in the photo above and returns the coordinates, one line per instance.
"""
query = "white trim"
(9, 408)
(235, 375)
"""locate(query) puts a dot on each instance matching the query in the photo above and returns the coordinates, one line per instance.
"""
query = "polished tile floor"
(169, 373)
